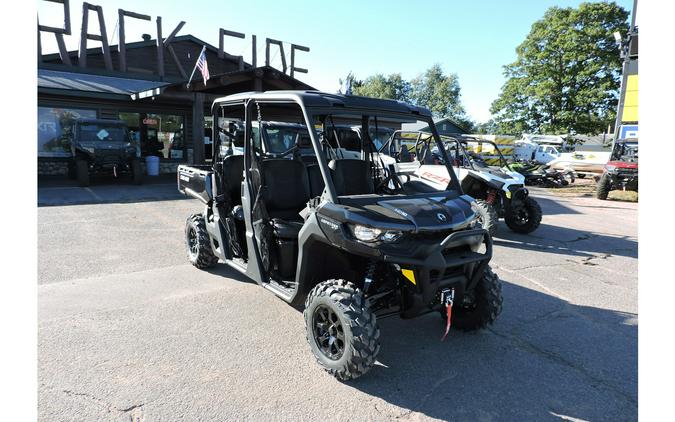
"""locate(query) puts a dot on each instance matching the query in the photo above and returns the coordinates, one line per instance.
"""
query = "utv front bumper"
(456, 263)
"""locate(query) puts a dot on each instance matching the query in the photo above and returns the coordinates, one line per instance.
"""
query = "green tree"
(392, 87)
(440, 93)
(487, 128)
(566, 76)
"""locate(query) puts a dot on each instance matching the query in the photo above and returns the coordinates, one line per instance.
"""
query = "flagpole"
(195, 68)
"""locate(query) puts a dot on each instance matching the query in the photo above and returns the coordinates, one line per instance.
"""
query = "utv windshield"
(103, 133)
(280, 138)
(356, 163)
(626, 150)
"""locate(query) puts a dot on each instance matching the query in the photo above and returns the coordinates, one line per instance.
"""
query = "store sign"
(162, 43)
(148, 121)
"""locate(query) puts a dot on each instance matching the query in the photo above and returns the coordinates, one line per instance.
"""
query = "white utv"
(499, 191)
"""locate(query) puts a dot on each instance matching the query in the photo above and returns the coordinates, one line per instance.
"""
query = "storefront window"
(55, 128)
(161, 135)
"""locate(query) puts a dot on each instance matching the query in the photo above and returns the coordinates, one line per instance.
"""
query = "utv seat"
(404, 155)
(316, 184)
(352, 177)
(233, 175)
(286, 193)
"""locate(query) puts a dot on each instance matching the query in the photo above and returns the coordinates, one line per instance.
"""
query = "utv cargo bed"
(195, 181)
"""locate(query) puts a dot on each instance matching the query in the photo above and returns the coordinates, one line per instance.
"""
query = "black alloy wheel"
(328, 332)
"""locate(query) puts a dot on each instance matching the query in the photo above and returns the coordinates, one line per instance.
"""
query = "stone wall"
(52, 168)
(55, 167)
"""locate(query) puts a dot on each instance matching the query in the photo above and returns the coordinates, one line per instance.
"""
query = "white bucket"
(152, 165)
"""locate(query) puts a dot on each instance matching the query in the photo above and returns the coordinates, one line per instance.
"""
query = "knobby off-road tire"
(487, 215)
(82, 172)
(136, 172)
(197, 243)
(341, 330)
(486, 307)
(530, 224)
(603, 187)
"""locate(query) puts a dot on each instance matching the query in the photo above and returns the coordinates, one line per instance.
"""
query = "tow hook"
(448, 299)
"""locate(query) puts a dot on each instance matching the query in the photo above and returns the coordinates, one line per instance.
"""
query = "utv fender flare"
(312, 267)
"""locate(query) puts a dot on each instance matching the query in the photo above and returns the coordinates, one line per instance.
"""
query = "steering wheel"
(421, 150)
(284, 154)
(390, 176)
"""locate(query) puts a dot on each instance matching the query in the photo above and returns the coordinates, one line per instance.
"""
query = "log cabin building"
(148, 90)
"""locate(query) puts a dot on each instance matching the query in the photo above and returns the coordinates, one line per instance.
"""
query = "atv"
(537, 174)
(103, 147)
(621, 171)
(483, 173)
(344, 239)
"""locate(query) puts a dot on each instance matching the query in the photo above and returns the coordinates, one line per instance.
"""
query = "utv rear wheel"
(82, 171)
(487, 216)
(341, 330)
(486, 307)
(603, 187)
(197, 242)
(136, 172)
(525, 219)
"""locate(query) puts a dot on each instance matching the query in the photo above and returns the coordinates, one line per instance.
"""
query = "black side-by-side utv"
(345, 238)
(102, 146)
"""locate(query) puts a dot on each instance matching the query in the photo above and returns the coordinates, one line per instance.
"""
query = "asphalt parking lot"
(128, 330)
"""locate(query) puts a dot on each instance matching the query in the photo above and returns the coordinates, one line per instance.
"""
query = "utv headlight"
(369, 234)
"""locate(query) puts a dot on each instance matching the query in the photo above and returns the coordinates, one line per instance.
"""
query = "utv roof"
(325, 100)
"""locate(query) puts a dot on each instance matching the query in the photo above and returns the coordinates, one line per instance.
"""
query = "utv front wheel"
(526, 219)
(82, 172)
(487, 216)
(197, 242)
(603, 187)
(341, 330)
(485, 308)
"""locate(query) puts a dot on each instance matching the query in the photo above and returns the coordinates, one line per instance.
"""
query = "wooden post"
(107, 57)
(160, 48)
(167, 44)
(293, 68)
(198, 128)
(121, 45)
(39, 58)
(82, 57)
(270, 41)
(58, 33)
(254, 52)
(221, 46)
(85, 35)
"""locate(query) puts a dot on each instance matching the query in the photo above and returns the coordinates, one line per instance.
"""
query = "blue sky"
(473, 39)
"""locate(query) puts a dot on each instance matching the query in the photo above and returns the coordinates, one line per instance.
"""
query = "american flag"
(203, 66)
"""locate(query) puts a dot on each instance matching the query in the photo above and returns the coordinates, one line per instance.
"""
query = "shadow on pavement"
(62, 191)
(551, 207)
(223, 270)
(544, 359)
(568, 241)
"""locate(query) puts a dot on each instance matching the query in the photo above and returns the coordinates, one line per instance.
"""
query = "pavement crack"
(135, 411)
(590, 260)
(594, 380)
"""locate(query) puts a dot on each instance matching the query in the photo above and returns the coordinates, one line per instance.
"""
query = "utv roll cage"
(314, 103)
(421, 138)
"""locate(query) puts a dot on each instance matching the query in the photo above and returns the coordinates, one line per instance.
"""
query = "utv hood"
(417, 214)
